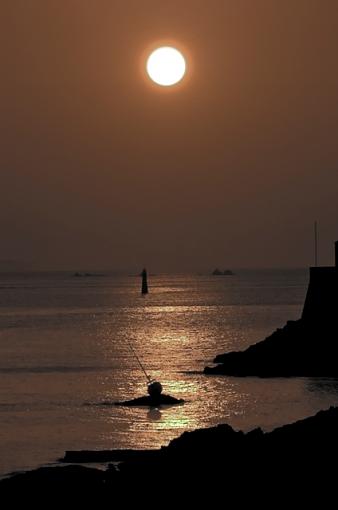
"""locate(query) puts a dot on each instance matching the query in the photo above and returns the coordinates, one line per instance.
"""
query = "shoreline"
(207, 453)
(300, 349)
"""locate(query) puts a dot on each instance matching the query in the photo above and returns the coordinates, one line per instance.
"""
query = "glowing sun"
(166, 66)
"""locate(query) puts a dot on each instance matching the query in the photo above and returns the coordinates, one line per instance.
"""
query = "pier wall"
(321, 303)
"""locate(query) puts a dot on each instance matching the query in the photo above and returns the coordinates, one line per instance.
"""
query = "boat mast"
(316, 243)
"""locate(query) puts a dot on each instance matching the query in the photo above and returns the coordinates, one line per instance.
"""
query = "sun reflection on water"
(168, 341)
(172, 336)
(74, 349)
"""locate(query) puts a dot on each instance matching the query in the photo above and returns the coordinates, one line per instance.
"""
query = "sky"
(100, 168)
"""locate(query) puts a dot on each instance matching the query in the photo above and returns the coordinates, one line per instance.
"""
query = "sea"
(67, 355)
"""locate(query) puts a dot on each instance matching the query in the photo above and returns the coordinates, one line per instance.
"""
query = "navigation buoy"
(154, 388)
(144, 289)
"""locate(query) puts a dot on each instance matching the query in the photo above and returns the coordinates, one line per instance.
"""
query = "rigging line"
(139, 362)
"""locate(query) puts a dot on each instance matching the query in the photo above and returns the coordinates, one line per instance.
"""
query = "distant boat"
(226, 272)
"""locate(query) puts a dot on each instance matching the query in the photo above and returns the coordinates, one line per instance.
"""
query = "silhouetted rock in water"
(226, 272)
(221, 459)
(306, 347)
(151, 401)
(88, 274)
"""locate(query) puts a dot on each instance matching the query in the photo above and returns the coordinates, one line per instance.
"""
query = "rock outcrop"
(307, 347)
(217, 459)
(151, 401)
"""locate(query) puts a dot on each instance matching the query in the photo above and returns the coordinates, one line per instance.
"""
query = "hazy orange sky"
(99, 169)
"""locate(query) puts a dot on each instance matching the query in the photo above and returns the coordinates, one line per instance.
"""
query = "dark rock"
(61, 478)
(307, 347)
(217, 459)
(299, 349)
(226, 272)
(104, 456)
(151, 401)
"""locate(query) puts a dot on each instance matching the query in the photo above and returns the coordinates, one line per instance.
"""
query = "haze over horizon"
(100, 169)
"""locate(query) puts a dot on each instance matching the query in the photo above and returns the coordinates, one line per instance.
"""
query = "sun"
(166, 66)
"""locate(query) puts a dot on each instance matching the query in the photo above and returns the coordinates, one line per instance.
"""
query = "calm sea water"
(64, 358)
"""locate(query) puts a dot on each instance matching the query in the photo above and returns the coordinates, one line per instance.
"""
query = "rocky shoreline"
(307, 347)
(300, 349)
(221, 461)
(211, 455)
